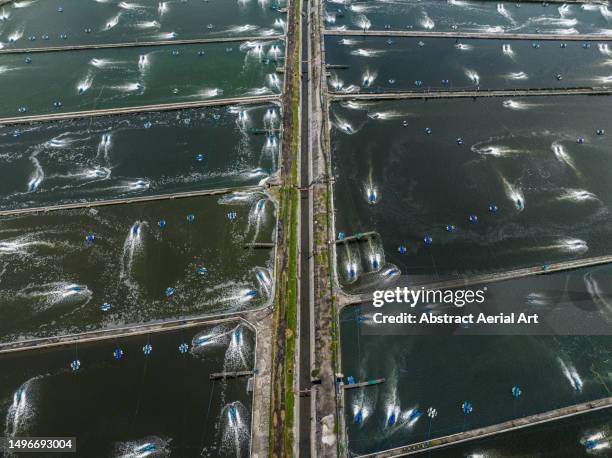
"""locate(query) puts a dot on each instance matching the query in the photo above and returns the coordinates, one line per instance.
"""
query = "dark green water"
(468, 16)
(560, 439)
(443, 366)
(39, 23)
(114, 78)
(54, 281)
(132, 155)
(115, 406)
(377, 64)
(552, 193)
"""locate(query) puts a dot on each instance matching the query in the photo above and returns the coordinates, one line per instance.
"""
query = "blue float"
(147, 125)
(147, 349)
(232, 216)
(418, 83)
(428, 130)
(169, 291)
(359, 417)
(450, 228)
(251, 293)
(473, 218)
(233, 412)
(237, 334)
(391, 420)
(75, 365)
(202, 271)
(28, 60)
(106, 307)
(22, 109)
(401, 249)
(493, 208)
(586, 45)
(414, 414)
(427, 239)
(161, 223)
(516, 392)
(200, 157)
(136, 229)
(563, 45)
(190, 218)
(118, 354)
(89, 238)
(340, 235)
(466, 408)
(350, 380)
(57, 104)
(580, 140)
(404, 123)
(200, 52)
(445, 82)
(460, 141)
(60, 9)
(535, 45)
(183, 348)
(600, 132)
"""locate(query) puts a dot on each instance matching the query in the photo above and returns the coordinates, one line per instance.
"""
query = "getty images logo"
(412, 297)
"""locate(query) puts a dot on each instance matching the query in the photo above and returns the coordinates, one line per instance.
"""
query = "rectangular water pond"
(84, 160)
(587, 435)
(453, 188)
(76, 270)
(444, 366)
(40, 23)
(121, 402)
(469, 16)
(127, 77)
(378, 64)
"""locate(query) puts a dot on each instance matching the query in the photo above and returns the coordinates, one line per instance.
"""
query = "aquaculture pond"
(145, 395)
(461, 187)
(71, 271)
(90, 159)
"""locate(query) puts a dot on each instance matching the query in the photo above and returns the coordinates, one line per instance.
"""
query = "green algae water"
(127, 77)
(377, 64)
(85, 160)
(455, 188)
(123, 403)
(40, 23)
(77, 270)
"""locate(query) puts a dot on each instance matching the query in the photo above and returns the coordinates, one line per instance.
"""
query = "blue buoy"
(450, 228)
(460, 141)
(391, 420)
(359, 417)
(389, 41)
(428, 130)
(60, 9)
(175, 52)
(600, 132)
(466, 408)
(28, 60)
(580, 140)
(106, 307)
(232, 216)
(161, 223)
(493, 208)
(118, 354)
(445, 82)
(535, 45)
(233, 412)
(136, 229)
(516, 392)
(200, 157)
(340, 235)
(237, 334)
(147, 125)
(427, 239)
(57, 104)
(183, 348)
(147, 349)
(75, 365)
(473, 218)
(169, 292)
(350, 380)
(401, 249)
(586, 45)
(202, 271)
(190, 218)
(251, 293)
(89, 238)
(200, 52)
(563, 45)
(22, 109)
(404, 123)
(414, 414)
(418, 83)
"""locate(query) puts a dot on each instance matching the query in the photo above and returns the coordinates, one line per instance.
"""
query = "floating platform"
(236, 374)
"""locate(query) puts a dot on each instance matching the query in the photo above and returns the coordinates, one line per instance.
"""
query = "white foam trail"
(589, 6)
(147, 25)
(343, 125)
(472, 76)
(599, 297)
(604, 48)
(562, 155)
(464, 47)
(38, 175)
(13, 37)
(348, 42)
(152, 446)
(258, 91)
(517, 104)
(24, 4)
(143, 64)
(570, 246)
(273, 80)
(385, 115)
(113, 21)
(501, 9)
(363, 22)
(330, 18)
(271, 118)
(132, 247)
(571, 374)
(22, 411)
(103, 63)
(368, 78)
(555, 21)
(129, 87)
(577, 195)
(85, 83)
(336, 82)
(22, 245)
(280, 24)
(130, 6)
(4, 15)
(604, 79)
(605, 12)
(564, 10)
(58, 293)
(426, 22)
(496, 150)
(517, 76)
(507, 50)
(274, 52)
(235, 429)
(459, 3)
(242, 28)
(515, 194)
(162, 8)
(166, 35)
(366, 52)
